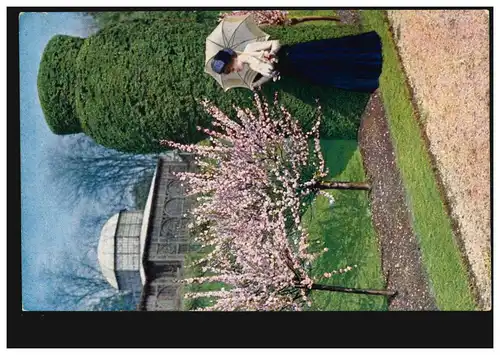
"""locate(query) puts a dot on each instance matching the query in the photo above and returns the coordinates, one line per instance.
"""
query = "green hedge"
(105, 19)
(56, 84)
(138, 81)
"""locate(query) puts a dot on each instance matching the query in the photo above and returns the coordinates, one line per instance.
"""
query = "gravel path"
(401, 260)
(349, 17)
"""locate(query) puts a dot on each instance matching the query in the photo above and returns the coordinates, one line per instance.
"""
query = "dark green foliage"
(108, 18)
(56, 84)
(139, 81)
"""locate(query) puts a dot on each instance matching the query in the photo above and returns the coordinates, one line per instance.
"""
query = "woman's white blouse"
(253, 55)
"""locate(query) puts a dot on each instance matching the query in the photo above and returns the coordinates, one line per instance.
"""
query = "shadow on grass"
(338, 153)
(345, 231)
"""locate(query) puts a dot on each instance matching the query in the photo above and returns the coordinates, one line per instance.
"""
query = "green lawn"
(442, 258)
(346, 229)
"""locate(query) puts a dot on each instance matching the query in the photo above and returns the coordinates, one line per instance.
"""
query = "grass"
(440, 252)
(346, 230)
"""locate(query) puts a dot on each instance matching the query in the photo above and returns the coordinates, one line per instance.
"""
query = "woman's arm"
(275, 46)
(271, 46)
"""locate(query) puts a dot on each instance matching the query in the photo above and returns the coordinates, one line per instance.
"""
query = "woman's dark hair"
(222, 59)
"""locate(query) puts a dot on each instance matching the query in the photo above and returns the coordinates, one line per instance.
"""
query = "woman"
(351, 63)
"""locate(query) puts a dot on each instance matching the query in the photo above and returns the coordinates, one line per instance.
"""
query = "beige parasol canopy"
(233, 32)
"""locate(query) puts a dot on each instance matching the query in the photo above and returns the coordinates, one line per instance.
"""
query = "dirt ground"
(445, 54)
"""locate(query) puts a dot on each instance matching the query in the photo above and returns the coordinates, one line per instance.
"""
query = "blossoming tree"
(255, 180)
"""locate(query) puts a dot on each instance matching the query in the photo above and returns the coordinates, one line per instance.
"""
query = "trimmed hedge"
(56, 84)
(104, 19)
(138, 81)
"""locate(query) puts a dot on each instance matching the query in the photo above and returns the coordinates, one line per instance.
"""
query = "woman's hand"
(268, 55)
(271, 58)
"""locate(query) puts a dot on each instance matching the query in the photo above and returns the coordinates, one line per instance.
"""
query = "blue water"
(47, 229)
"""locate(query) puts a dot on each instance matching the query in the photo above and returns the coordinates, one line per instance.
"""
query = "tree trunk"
(294, 21)
(342, 185)
(352, 290)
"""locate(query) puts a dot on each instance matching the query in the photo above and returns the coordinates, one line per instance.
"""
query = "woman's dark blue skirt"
(352, 63)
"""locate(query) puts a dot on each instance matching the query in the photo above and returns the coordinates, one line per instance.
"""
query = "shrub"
(56, 84)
